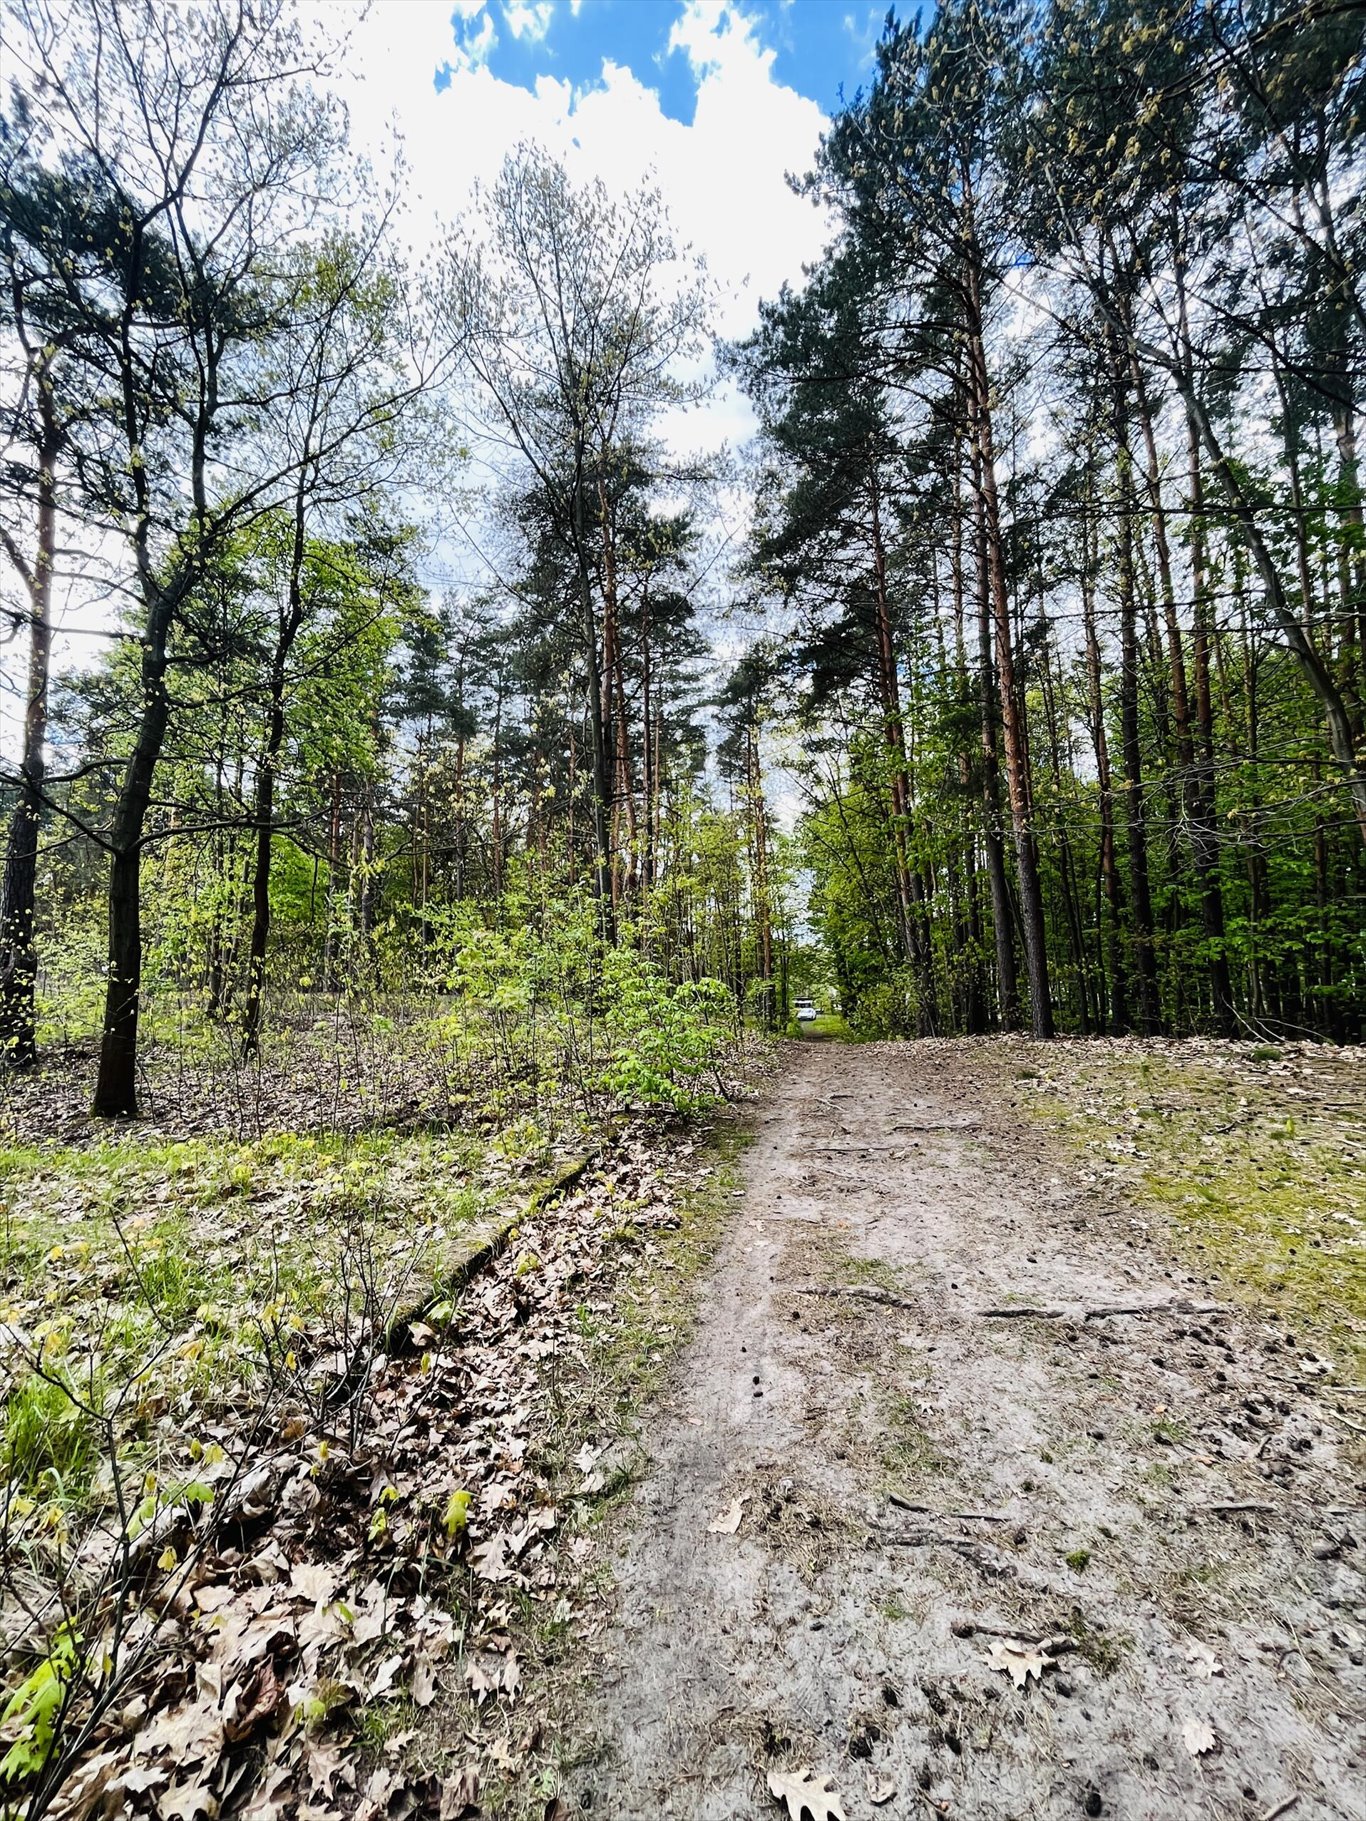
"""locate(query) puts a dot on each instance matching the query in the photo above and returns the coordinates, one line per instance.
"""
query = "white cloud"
(723, 175)
(529, 19)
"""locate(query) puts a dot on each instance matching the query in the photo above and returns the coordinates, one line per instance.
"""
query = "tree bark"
(1013, 728)
(116, 1082)
(18, 893)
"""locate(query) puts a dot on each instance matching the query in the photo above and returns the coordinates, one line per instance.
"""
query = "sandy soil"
(1155, 1494)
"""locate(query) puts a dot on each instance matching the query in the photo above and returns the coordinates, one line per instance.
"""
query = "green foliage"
(36, 1707)
(664, 1037)
(49, 1441)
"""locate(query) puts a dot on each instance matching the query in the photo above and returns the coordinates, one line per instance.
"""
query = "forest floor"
(985, 1487)
(975, 1424)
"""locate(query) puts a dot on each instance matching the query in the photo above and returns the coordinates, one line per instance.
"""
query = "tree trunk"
(1196, 807)
(18, 893)
(601, 784)
(116, 1082)
(1002, 910)
(1013, 729)
(1109, 871)
(910, 897)
(1145, 953)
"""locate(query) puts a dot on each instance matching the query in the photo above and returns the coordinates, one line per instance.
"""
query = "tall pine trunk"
(1013, 730)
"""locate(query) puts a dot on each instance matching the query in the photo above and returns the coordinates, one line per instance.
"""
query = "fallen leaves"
(727, 1521)
(349, 1565)
(1018, 1659)
(1204, 1663)
(805, 1794)
(1198, 1737)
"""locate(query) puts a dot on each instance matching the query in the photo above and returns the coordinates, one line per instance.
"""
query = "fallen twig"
(940, 1125)
(1347, 1423)
(1281, 1808)
(987, 1563)
(1023, 1309)
(1231, 1509)
(865, 1291)
(980, 1517)
(1179, 1307)
(463, 1269)
(853, 1150)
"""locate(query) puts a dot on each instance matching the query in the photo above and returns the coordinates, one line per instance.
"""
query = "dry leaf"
(325, 1763)
(490, 1560)
(806, 1794)
(727, 1522)
(86, 1790)
(1198, 1737)
(1020, 1660)
(460, 1794)
(375, 1801)
(423, 1684)
(190, 1734)
(1203, 1660)
(383, 1683)
(187, 1802)
(311, 1581)
(260, 1699)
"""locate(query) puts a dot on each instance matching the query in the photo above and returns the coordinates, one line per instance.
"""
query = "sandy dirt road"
(1151, 1488)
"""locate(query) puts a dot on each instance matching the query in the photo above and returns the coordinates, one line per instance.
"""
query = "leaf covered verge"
(243, 1543)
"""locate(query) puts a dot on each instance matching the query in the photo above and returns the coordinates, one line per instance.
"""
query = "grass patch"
(829, 1026)
(49, 1445)
(655, 1311)
(1258, 1157)
(150, 1287)
(905, 1450)
(1104, 1650)
(875, 1273)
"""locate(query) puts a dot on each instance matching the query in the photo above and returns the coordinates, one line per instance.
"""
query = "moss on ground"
(1257, 1155)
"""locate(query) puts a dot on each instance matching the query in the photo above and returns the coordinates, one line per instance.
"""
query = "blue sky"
(818, 46)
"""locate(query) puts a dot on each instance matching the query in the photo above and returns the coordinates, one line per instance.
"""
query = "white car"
(805, 1010)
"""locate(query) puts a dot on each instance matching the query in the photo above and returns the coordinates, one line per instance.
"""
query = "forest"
(1056, 556)
(1010, 679)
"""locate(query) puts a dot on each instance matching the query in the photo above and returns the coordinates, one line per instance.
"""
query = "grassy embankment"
(1257, 1154)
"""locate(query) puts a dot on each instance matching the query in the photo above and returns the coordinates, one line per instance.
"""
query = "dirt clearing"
(971, 1502)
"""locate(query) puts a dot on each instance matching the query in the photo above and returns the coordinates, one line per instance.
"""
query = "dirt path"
(840, 1629)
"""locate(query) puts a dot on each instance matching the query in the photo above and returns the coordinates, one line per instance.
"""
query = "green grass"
(829, 1025)
(49, 1438)
(876, 1273)
(906, 1452)
(163, 1284)
(1261, 1169)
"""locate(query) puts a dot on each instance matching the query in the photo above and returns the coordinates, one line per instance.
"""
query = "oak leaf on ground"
(805, 1794)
